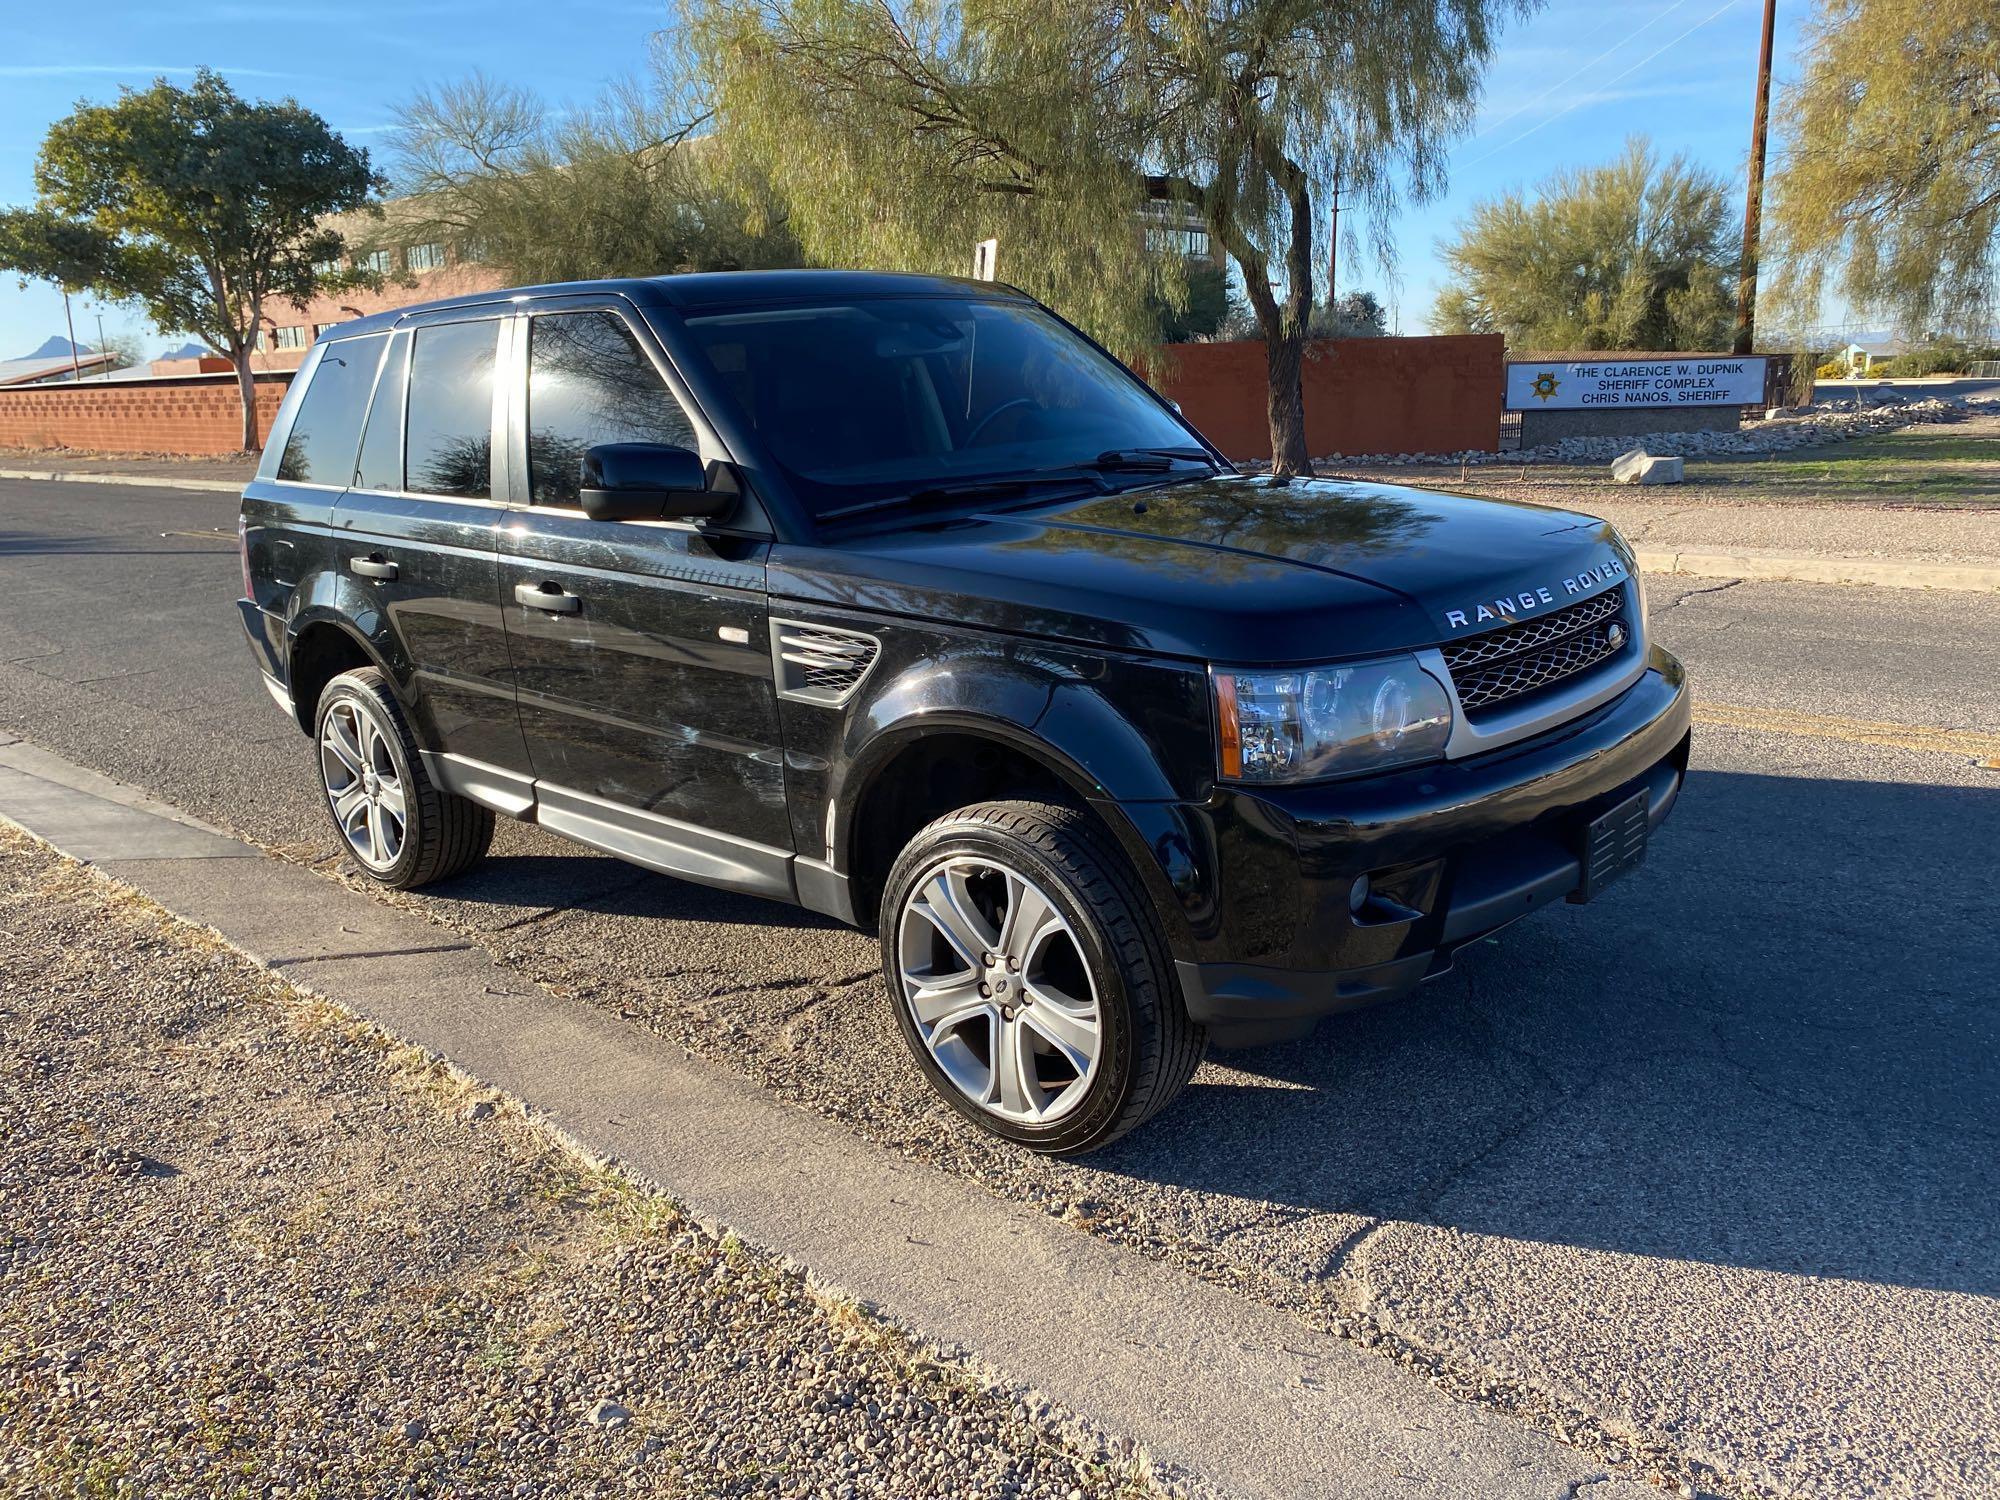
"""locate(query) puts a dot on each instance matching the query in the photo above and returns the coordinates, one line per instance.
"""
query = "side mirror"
(648, 482)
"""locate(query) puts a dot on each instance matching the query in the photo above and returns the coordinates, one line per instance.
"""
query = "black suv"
(896, 597)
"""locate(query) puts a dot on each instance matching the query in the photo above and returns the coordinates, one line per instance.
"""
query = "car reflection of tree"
(460, 466)
(1309, 523)
(589, 382)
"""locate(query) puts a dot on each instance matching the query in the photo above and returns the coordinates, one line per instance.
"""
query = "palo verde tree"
(1636, 254)
(627, 187)
(898, 132)
(201, 205)
(1888, 180)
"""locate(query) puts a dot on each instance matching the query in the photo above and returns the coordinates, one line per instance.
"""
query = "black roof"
(708, 289)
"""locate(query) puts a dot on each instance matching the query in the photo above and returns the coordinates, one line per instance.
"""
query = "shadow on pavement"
(1778, 1046)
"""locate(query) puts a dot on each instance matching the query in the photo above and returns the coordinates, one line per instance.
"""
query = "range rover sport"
(897, 598)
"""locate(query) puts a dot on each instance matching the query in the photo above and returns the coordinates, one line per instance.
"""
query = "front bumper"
(1454, 851)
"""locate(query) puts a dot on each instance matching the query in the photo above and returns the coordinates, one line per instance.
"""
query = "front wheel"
(400, 828)
(1030, 978)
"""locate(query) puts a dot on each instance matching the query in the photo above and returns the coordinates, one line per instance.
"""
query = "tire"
(368, 763)
(1030, 978)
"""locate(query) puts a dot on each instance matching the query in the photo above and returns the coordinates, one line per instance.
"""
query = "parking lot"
(1705, 1169)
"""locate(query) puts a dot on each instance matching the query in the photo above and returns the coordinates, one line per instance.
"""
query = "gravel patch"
(249, 1246)
(1798, 427)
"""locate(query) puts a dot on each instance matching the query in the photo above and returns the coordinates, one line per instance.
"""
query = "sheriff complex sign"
(1585, 385)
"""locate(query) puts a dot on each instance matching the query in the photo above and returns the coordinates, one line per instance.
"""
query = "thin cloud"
(111, 70)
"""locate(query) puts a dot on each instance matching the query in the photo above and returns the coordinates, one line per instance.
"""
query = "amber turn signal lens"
(1228, 735)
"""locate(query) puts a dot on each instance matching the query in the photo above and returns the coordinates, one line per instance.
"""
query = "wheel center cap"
(370, 783)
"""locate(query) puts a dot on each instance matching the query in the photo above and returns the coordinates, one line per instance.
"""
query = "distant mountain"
(56, 348)
(189, 350)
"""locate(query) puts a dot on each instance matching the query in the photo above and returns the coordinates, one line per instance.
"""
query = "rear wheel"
(1030, 978)
(399, 827)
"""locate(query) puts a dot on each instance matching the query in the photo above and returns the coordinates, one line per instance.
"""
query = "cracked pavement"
(1700, 1176)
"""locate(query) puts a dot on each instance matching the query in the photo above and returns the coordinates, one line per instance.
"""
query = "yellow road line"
(1984, 748)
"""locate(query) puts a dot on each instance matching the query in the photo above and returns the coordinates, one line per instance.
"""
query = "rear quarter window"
(326, 432)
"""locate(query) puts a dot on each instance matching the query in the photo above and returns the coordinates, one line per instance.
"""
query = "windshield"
(871, 400)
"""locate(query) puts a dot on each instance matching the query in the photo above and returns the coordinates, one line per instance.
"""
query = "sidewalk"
(1210, 1384)
(228, 473)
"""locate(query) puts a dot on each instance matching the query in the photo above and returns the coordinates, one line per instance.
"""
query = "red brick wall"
(1389, 395)
(193, 415)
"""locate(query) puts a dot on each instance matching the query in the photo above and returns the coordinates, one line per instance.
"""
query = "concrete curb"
(1771, 566)
(70, 476)
(1233, 1392)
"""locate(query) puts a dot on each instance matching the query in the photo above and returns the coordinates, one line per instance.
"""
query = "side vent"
(817, 664)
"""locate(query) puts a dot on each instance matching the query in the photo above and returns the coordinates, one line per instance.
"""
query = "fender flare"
(327, 600)
(1059, 723)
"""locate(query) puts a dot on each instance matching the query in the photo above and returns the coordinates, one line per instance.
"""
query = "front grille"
(1499, 666)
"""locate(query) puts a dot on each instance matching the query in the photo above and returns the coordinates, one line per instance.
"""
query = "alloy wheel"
(1002, 996)
(362, 785)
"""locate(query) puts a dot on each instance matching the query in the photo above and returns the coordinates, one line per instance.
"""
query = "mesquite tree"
(900, 131)
(1888, 178)
(197, 203)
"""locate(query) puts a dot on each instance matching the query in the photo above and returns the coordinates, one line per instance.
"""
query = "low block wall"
(198, 414)
(1390, 395)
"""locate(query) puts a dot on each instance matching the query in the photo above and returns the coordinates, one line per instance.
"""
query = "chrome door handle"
(373, 566)
(548, 597)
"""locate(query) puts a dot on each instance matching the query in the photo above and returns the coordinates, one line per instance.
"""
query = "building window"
(424, 257)
(290, 338)
(1189, 242)
(382, 261)
(320, 328)
(327, 267)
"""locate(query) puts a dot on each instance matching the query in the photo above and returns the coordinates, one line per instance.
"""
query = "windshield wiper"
(977, 489)
(1147, 460)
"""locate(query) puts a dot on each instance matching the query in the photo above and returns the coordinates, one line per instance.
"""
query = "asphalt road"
(1704, 1169)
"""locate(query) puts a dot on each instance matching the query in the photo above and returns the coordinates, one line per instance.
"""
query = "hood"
(1230, 569)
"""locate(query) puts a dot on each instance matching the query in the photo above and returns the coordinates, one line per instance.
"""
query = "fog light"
(1358, 894)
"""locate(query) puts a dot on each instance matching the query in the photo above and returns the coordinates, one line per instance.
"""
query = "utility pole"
(1753, 208)
(100, 342)
(1332, 249)
(75, 365)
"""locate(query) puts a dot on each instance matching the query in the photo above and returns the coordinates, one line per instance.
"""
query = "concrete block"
(1641, 467)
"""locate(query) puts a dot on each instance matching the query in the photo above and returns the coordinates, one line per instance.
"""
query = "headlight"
(1309, 722)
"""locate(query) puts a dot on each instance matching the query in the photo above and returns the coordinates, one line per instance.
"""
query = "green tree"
(1888, 179)
(198, 204)
(1635, 254)
(899, 132)
(1209, 307)
(1358, 315)
(625, 188)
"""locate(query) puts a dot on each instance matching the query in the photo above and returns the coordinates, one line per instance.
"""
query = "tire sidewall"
(1117, 1019)
(350, 688)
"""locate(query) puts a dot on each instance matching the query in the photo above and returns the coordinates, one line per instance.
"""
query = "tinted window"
(381, 466)
(869, 400)
(320, 447)
(589, 382)
(450, 413)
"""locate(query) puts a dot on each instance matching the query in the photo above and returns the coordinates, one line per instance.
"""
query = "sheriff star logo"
(1545, 385)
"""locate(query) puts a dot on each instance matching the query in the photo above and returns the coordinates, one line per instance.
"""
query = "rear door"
(641, 656)
(417, 535)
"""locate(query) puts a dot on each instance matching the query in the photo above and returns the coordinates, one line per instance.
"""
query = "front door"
(642, 662)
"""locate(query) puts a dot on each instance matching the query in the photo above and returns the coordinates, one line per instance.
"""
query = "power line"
(1521, 109)
(1667, 47)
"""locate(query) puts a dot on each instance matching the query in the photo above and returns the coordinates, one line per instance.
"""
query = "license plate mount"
(1613, 845)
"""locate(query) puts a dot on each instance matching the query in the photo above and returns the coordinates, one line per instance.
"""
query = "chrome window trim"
(1592, 690)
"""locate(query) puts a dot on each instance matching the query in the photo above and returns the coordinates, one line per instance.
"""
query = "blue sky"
(1568, 85)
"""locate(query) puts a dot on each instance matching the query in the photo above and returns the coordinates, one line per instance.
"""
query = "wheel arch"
(321, 644)
(915, 770)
